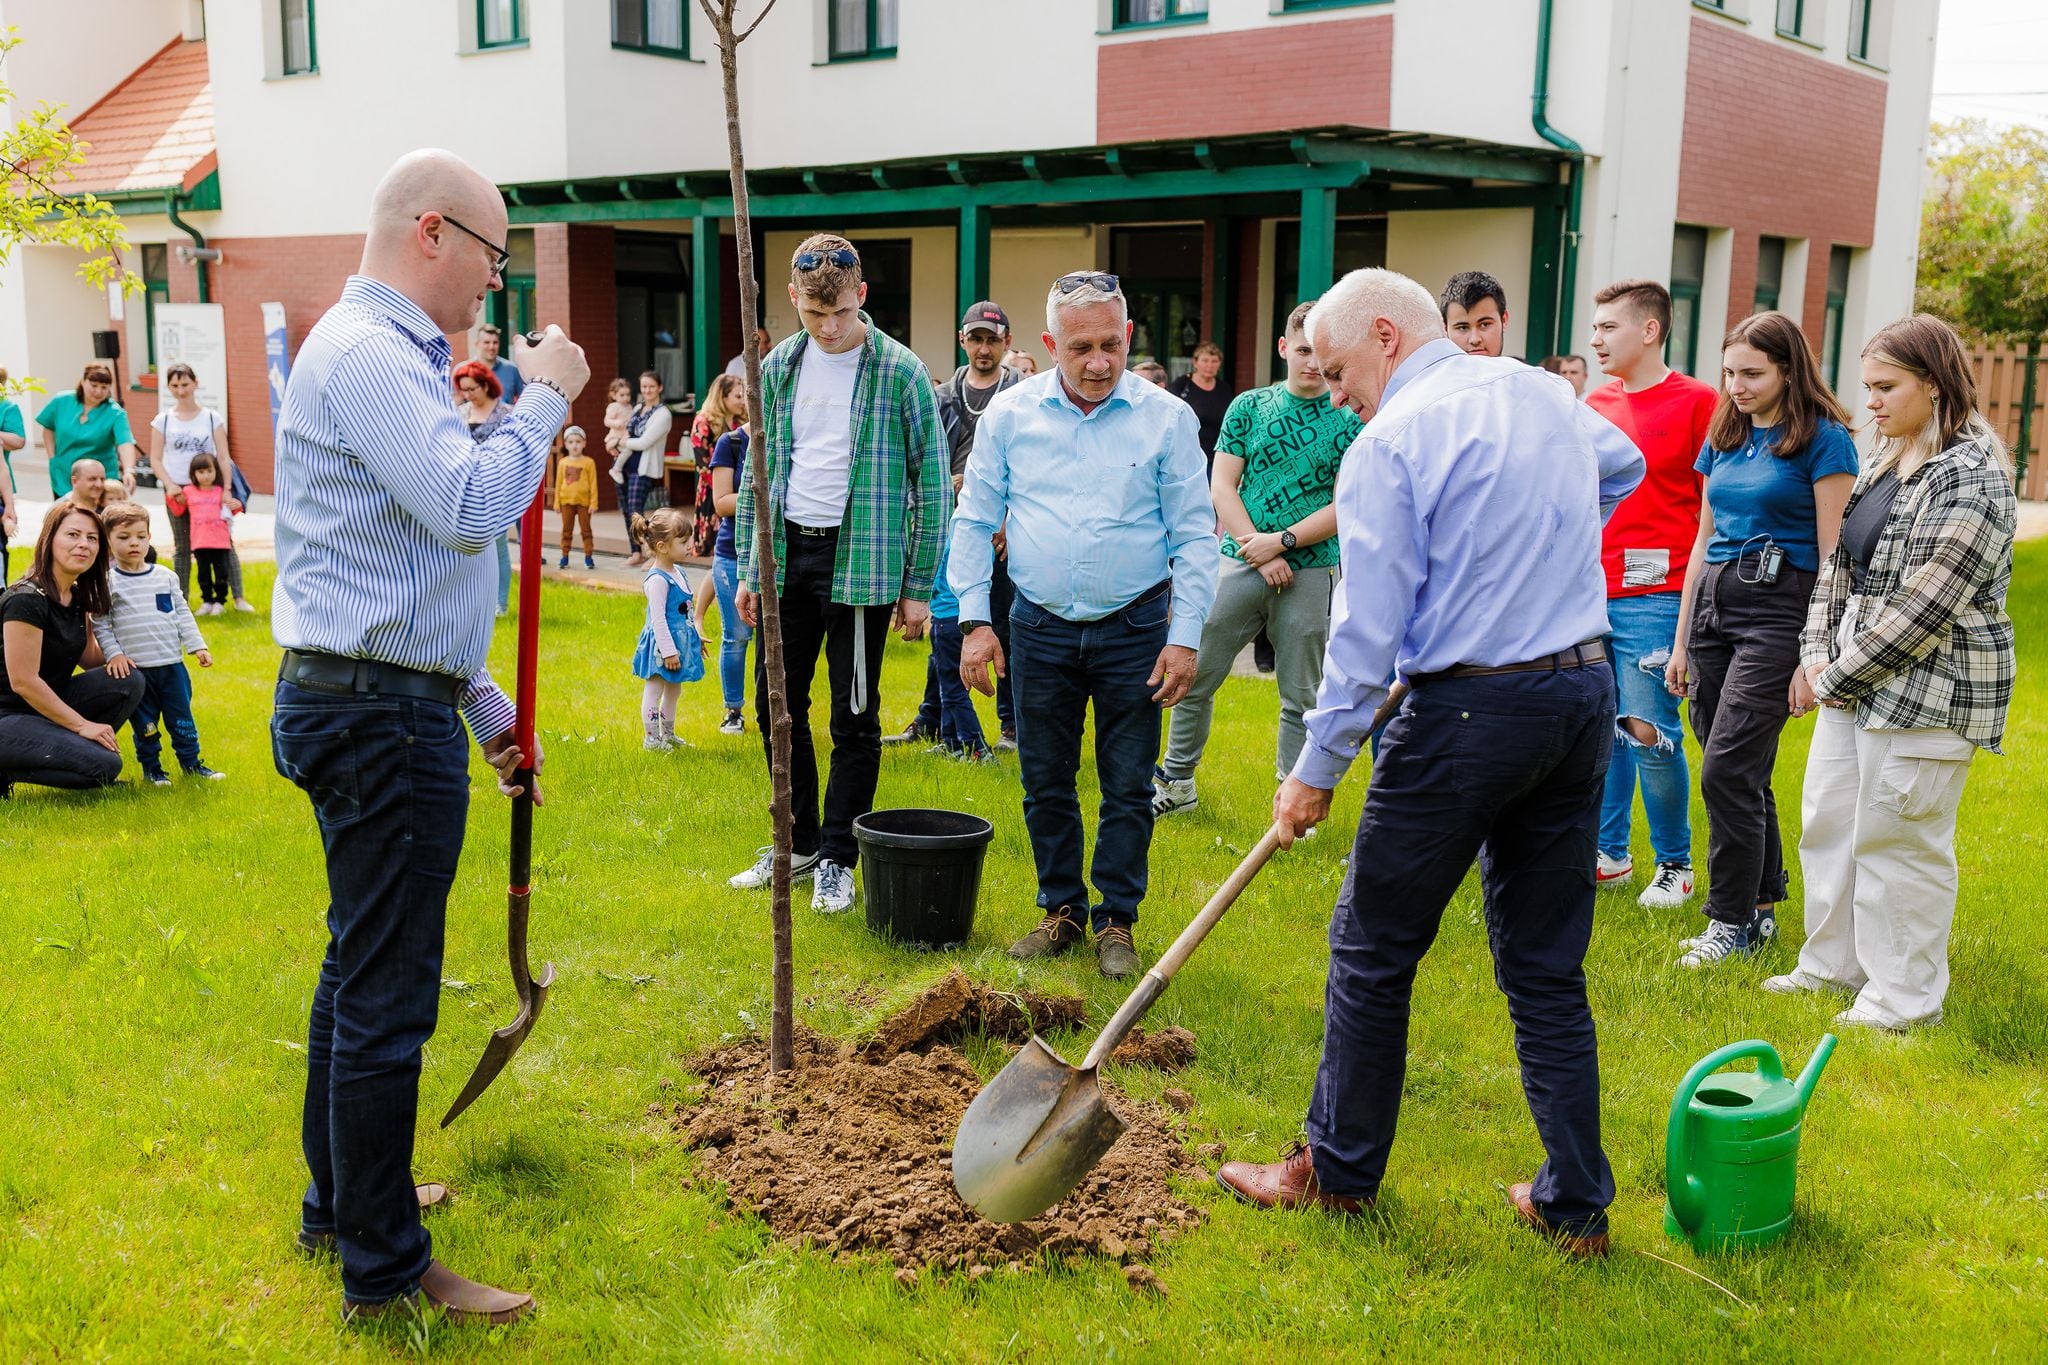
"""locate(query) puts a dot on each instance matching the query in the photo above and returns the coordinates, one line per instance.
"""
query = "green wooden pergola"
(1318, 174)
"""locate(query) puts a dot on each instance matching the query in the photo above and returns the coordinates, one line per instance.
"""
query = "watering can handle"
(1683, 1188)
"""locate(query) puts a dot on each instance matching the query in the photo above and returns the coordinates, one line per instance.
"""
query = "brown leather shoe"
(1289, 1183)
(442, 1290)
(1583, 1247)
(1116, 953)
(1059, 931)
(431, 1194)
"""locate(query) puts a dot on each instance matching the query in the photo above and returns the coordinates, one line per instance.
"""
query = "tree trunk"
(782, 1025)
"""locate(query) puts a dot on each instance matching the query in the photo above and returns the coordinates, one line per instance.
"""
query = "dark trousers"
(166, 705)
(389, 781)
(1060, 668)
(1743, 648)
(635, 502)
(812, 623)
(1510, 769)
(213, 575)
(1002, 595)
(45, 754)
(959, 727)
(181, 558)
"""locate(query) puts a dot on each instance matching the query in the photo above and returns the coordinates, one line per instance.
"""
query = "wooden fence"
(2001, 379)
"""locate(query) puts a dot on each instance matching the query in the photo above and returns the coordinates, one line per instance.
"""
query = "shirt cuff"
(544, 403)
(488, 710)
(974, 605)
(1319, 768)
(1185, 631)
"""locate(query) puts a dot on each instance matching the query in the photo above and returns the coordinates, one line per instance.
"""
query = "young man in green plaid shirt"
(859, 491)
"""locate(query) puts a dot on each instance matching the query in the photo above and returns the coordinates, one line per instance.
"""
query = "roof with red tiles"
(154, 130)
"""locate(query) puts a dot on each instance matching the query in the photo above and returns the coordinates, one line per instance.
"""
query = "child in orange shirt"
(576, 494)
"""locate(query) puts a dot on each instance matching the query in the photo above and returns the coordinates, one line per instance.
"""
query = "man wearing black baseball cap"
(985, 336)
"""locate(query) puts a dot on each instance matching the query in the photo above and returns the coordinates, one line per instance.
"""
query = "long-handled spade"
(533, 993)
(1040, 1125)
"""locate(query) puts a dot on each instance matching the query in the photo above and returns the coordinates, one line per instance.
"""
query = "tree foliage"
(1984, 230)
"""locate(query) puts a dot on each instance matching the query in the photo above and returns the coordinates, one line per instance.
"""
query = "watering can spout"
(1810, 1077)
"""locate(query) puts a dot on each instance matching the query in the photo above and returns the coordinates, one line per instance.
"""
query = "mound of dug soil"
(852, 1152)
(953, 1007)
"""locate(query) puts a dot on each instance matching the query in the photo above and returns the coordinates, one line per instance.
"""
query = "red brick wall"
(305, 274)
(1778, 142)
(575, 287)
(1280, 76)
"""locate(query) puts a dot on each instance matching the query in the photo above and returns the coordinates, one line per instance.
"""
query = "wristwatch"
(969, 627)
(1287, 540)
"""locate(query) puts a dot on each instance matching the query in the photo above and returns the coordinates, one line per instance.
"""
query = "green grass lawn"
(158, 950)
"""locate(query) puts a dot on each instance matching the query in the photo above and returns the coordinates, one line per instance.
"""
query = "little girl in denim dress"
(670, 652)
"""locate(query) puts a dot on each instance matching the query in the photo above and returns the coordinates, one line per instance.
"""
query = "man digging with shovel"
(384, 607)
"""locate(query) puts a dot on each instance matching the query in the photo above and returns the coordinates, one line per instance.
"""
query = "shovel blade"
(1031, 1135)
(504, 1042)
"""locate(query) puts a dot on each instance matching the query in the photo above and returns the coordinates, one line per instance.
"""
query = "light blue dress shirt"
(1097, 506)
(1468, 518)
(385, 505)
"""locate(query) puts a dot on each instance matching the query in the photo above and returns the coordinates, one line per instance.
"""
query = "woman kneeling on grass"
(1910, 653)
(57, 725)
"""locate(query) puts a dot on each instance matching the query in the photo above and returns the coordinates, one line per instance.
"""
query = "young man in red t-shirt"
(1644, 551)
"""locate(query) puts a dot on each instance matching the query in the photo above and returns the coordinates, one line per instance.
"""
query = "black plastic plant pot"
(921, 873)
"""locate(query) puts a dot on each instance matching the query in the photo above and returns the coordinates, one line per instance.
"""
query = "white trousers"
(1879, 856)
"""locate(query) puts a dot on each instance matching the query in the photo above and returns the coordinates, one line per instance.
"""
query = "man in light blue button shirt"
(1468, 518)
(1098, 481)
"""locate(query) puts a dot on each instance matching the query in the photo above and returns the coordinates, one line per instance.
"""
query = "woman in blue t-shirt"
(1779, 465)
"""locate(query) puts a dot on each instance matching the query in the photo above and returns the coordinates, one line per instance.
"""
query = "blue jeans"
(1001, 596)
(389, 781)
(166, 697)
(959, 727)
(1507, 769)
(1641, 630)
(733, 633)
(1058, 668)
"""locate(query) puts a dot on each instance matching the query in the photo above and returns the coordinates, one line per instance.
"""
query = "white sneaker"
(734, 723)
(1607, 871)
(762, 872)
(651, 738)
(1721, 942)
(832, 888)
(1669, 889)
(1856, 1016)
(1172, 794)
(245, 605)
(1800, 983)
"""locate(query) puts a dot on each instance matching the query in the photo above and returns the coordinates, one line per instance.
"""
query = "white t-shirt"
(184, 438)
(821, 463)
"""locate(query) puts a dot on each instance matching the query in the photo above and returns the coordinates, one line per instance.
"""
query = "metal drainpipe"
(1539, 100)
(199, 267)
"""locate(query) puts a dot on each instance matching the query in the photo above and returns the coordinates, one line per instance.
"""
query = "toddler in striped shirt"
(151, 628)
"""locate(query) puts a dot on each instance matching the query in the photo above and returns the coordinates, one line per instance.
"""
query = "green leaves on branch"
(1984, 230)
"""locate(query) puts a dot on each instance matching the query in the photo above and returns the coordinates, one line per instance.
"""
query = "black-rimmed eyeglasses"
(845, 257)
(1087, 279)
(500, 256)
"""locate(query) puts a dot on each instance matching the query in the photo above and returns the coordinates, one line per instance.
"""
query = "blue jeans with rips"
(1641, 630)
(166, 699)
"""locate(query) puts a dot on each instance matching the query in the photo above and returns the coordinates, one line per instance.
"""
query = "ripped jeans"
(1639, 645)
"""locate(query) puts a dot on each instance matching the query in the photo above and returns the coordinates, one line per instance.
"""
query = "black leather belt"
(813, 532)
(1578, 656)
(339, 677)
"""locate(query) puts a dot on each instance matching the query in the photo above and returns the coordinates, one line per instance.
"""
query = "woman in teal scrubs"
(87, 422)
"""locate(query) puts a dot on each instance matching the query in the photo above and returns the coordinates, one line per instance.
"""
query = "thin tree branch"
(742, 37)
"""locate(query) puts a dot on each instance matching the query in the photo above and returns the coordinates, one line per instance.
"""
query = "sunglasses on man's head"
(1087, 279)
(844, 257)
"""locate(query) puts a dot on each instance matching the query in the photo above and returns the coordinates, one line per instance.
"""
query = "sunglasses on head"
(844, 257)
(1087, 279)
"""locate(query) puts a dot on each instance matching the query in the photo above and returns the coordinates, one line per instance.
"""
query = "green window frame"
(658, 27)
(156, 280)
(1154, 13)
(1859, 28)
(1688, 276)
(1792, 18)
(1770, 273)
(301, 57)
(1302, 6)
(860, 29)
(500, 23)
(1831, 320)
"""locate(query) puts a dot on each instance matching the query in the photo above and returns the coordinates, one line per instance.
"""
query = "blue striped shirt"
(385, 506)
(1097, 506)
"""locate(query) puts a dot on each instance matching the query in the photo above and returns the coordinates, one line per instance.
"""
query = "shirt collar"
(381, 299)
(1411, 369)
(1125, 392)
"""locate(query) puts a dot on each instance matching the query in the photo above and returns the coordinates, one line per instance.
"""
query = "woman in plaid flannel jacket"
(1909, 651)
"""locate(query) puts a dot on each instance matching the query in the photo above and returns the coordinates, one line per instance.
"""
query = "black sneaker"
(157, 779)
(912, 733)
(201, 770)
(734, 723)
(1008, 742)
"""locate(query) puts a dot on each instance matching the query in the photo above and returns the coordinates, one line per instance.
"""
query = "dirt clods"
(1170, 1049)
(953, 1007)
(851, 1153)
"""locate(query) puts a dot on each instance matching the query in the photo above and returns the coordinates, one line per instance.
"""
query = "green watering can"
(1731, 1152)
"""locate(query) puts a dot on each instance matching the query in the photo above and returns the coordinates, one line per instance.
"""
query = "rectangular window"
(651, 26)
(1770, 272)
(863, 28)
(1831, 322)
(1863, 23)
(156, 279)
(500, 23)
(301, 57)
(1688, 273)
(1791, 13)
(1138, 13)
